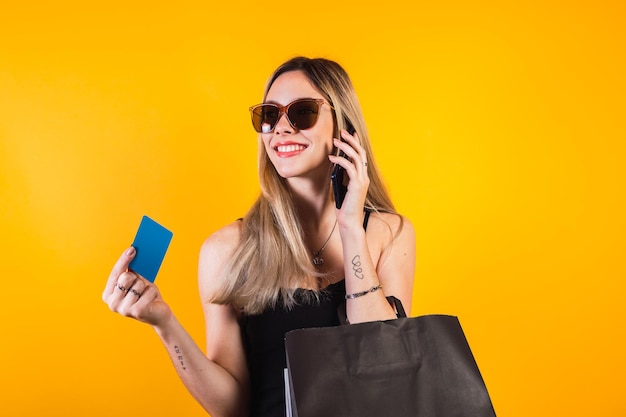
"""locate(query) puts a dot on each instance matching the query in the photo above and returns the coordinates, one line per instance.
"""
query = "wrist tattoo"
(356, 267)
(179, 356)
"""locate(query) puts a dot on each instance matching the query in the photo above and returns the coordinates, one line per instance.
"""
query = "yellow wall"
(500, 130)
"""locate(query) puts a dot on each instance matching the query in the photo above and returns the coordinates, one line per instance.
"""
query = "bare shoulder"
(388, 228)
(224, 239)
(215, 253)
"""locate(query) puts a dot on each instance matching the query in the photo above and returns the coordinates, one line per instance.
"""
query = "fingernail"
(130, 251)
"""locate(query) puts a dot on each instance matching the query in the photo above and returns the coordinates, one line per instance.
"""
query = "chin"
(286, 174)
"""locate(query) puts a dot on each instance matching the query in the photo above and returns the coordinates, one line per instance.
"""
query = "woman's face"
(293, 152)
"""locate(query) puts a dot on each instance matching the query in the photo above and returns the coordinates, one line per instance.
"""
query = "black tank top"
(264, 342)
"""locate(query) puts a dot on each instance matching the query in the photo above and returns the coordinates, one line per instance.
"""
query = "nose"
(283, 126)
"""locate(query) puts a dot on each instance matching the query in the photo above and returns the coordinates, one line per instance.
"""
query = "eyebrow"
(295, 99)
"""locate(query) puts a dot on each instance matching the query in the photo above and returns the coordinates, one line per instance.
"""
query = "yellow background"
(499, 127)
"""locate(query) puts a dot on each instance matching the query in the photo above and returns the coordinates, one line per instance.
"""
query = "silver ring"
(121, 287)
(364, 164)
(137, 293)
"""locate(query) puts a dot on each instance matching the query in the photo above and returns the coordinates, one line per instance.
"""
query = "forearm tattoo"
(356, 267)
(179, 356)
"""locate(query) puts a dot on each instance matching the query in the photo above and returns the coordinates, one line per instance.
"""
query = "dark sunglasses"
(301, 114)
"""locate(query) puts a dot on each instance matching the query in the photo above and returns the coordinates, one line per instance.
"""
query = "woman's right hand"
(131, 295)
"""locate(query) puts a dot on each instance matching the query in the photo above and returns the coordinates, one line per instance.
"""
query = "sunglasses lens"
(264, 117)
(303, 114)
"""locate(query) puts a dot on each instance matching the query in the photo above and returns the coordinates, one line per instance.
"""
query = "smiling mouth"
(290, 148)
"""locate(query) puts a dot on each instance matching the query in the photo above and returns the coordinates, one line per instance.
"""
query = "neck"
(313, 203)
(316, 210)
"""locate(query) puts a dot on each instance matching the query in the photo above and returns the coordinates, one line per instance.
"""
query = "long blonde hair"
(272, 260)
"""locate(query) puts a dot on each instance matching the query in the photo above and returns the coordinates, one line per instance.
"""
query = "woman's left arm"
(377, 265)
(396, 265)
(381, 262)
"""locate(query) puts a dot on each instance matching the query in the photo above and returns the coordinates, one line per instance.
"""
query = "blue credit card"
(151, 243)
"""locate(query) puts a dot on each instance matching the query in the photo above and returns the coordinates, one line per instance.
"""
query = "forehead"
(291, 86)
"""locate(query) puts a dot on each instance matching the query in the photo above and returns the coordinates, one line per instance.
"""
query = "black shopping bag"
(417, 367)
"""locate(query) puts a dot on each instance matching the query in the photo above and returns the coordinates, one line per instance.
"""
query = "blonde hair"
(272, 260)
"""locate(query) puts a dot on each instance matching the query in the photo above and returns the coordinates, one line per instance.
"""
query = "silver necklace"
(317, 261)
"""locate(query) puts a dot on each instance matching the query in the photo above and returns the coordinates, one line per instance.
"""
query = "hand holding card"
(151, 243)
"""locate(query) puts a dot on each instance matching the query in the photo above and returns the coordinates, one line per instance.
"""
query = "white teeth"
(290, 148)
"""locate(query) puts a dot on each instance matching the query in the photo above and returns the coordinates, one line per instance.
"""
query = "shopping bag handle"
(394, 301)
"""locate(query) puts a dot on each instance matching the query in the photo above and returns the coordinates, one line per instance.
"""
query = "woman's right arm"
(218, 380)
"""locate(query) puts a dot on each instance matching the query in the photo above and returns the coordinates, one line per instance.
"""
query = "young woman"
(294, 258)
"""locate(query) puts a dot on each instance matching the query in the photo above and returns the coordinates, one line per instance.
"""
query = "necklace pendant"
(317, 261)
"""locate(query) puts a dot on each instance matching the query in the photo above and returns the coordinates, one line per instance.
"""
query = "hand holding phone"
(338, 177)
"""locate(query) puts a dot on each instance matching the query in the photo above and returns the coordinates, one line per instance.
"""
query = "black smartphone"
(338, 177)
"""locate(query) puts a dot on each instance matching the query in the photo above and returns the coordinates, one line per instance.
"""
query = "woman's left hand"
(356, 169)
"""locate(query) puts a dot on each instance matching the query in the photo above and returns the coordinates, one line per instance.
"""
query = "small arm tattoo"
(356, 267)
(180, 357)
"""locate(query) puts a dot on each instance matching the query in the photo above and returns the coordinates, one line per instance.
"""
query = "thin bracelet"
(362, 293)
